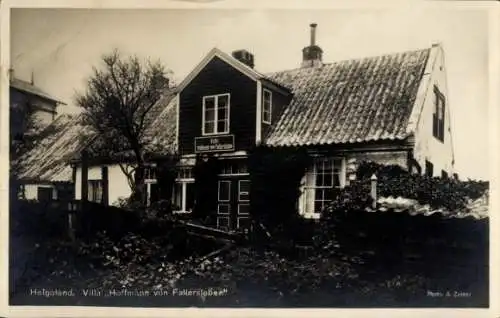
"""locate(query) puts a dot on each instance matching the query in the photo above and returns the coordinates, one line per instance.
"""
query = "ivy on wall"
(275, 176)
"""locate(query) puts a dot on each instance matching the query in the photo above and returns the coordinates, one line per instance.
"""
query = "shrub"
(395, 181)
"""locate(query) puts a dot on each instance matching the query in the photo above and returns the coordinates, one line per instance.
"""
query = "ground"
(244, 275)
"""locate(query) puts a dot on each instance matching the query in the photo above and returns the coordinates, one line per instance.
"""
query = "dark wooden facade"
(280, 99)
(218, 77)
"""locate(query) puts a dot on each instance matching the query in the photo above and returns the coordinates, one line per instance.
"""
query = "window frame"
(230, 168)
(439, 115)
(264, 111)
(42, 188)
(90, 193)
(183, 181)
(308, 193)
(429, 164)
(216, 115)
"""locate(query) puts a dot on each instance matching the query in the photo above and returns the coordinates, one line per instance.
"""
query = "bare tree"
(117, 102)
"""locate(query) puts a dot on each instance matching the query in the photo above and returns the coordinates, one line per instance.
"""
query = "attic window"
(267, 105)
(438, 115)
(215, 114)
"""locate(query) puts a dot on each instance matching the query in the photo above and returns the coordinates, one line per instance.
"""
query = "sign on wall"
(214, 143)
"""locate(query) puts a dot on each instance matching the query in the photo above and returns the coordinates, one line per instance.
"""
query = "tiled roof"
(476, 209)
(349, 101)
(49, 159)
(65, 138)
(32, 89)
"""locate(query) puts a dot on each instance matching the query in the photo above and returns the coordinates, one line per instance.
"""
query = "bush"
(394, 181)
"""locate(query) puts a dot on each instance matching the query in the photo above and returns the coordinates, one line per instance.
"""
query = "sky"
(60, 46)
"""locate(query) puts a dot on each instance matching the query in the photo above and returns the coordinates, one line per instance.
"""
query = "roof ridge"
(31, 88)
(353, 60)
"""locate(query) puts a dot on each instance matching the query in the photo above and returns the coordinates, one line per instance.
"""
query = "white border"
(494, 84)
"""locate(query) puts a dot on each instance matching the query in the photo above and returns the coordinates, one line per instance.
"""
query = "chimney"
(244, 57)
(32, 78)
(312, 54)
(313, 33)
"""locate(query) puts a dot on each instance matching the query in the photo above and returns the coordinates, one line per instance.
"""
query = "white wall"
(427, 147)
(395, 157)
(118, 184)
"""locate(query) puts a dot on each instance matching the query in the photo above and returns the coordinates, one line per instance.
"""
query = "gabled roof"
(33, 90)
(242, 67)
(350, 101)
(65, 138)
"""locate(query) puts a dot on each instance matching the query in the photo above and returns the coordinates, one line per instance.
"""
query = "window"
(150, 173)
(439, 115)
(444, 174)
(319, 184)
(216, 114)
(44, 194)
(267, 105)
(151, 185)
(429, 169)
(232, 167)
(95, 191)
(183, 196)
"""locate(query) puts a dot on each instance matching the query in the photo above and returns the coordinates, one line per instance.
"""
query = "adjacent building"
(30, 106)
(32, 110)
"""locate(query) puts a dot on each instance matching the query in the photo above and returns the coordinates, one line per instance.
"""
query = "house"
(47, 170)
(44, 172)
(30, 106)
(31, 111)
(391, 109)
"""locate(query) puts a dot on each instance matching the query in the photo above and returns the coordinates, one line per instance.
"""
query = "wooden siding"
(218, 77)
(279, 102)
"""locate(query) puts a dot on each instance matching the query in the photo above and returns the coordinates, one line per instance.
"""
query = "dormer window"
(438, 116)
(267, 105)
(216, 114)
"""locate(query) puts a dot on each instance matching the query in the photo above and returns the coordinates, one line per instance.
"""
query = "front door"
(233, 205)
